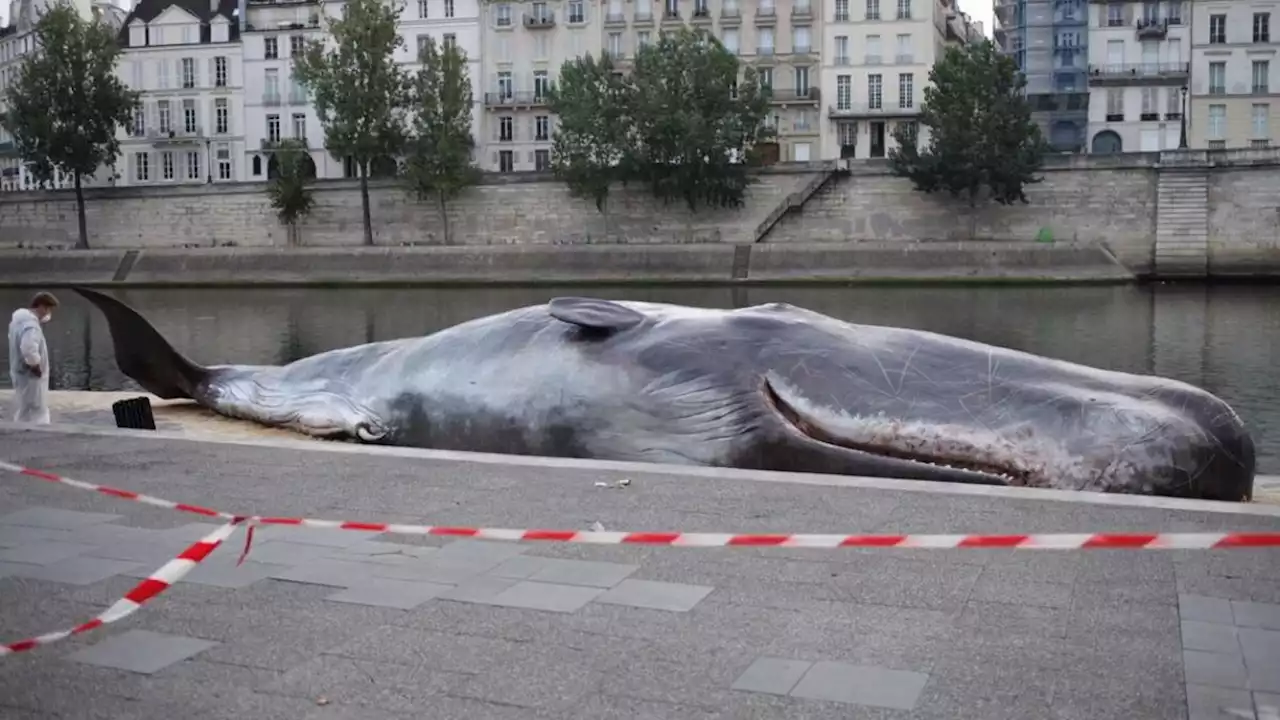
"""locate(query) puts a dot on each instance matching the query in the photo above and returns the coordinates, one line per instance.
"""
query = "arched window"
(257, 165)
(1107, 142)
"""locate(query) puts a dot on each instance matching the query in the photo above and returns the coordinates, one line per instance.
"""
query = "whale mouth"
(811, 428)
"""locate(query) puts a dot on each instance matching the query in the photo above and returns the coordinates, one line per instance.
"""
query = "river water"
(1225, 339)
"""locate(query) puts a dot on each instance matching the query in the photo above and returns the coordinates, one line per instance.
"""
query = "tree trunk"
(444, 217)
(82, 242)
(364, 202)
(295, 234)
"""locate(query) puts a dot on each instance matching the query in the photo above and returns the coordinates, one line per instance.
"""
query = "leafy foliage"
(289, 190)
(681, 123)
(358, 88)
(66, 102)
(981, 136)
(438, 158)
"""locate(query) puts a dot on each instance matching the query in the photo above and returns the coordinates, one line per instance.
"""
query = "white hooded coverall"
(27, 347)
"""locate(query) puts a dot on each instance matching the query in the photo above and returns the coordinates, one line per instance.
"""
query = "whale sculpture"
(771, 387)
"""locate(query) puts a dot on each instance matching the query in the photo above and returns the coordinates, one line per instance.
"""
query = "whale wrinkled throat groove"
(768, 387)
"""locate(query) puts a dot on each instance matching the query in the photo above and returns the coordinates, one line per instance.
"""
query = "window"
(842, 50)
(297, 45)
(141, 166)
(1217, 78)
(506, 128)
(273, 128)
(800, 43)
(1262, 27)
(542, 160)
(1217, 29)
(613, 45)
(422, 8)
(1151, 12)
(162, 110)
(844, 92)
(193, 164)
(270, 50)
(221, 116)
(541, 84)
(224, 162)
(503, 15)
(873, 50)
(903, 55)
(1150, 101)
(912, 131)
(802, 82)
(422, 43)
(1115, 15)
(874, 91)
(842, 11)
(506, 161)
(220, 71)
(1217, 122)
(764, 41)
(271, 86)
(847, 133)
(506, 88)
(1115, 104)
(300, 126)
(1261, 77)
(904, 9)
(189, 116)
(1172, 104)
(297, 93)
(450, 40)
(166, 165)
(542, 128)
(873, 10)
(577, 13)
(139, 121)
(644, 40)
(906, 90)
(764, 76)
(730, 40)
(162, 76)
(188, 73)
(1260, 117)
(448, 8)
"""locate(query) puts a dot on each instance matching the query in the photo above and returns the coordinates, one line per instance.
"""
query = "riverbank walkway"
(330, 624)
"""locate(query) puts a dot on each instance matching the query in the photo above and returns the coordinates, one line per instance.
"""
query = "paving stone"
(44, 552)
(1217, 669)
(141, 651)
(1253, 614)
(450, 571)
(382, 553)
(583, 572)
(1264, 676)
(861, 685)
(55, 518)
(109, 534)
(192, 532)
(1205, 609)
(1260, 646)
(15, 535)
(1267, 705)
(334, 573)
(400, 594)
(152, 553)
(775, 676)
(545, 596)
(226, 574)
(77, 570)
(284, 552)
(324, 537)
(481, 589)
(480, 554)
(1206, 701)
(654, 595)
(1210, 637)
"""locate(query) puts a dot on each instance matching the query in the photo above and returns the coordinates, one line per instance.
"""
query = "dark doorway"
(877, 139)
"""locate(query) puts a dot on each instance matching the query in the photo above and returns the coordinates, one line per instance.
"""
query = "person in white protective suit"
(29, 360)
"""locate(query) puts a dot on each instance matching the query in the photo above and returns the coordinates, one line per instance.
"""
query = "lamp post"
(1182, 139)
(208, 161)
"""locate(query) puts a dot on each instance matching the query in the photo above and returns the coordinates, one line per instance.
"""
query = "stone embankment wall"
(800, 221)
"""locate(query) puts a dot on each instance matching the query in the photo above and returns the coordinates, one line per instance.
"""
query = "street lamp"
(208, 158)
(1182, 139)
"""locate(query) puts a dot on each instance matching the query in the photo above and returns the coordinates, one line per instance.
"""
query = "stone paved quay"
(340, 625)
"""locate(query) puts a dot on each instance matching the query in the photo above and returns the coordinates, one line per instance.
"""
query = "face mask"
(46, 319)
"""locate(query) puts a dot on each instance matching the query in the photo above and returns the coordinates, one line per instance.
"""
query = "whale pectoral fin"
(595, 314)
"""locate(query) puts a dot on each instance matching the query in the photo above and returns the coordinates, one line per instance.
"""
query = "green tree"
(590, 146)
(696, 125)
(358, 88)
(290, 190)
(67, 103)
(981, 136)
(438, 152)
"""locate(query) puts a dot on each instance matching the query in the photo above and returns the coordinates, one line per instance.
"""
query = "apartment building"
(1233, 101)
(454, 23)
(16, 42)
(876, 64)
(183, 56)
(1139, 67)
(1049, 41)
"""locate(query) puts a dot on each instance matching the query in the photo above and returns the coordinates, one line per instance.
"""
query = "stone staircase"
(1182, 223)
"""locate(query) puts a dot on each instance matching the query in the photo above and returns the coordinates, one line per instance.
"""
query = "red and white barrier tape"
(1038, 541)
(156, 583)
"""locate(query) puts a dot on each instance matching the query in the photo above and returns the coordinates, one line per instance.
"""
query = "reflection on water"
(1218, 338)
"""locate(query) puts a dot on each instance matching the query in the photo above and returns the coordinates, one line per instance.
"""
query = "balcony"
(671, 16)
(514, 100)
(643, 18)
(802, 12)
(1152, 29)
(853, 111)
(298, 98)
(1139, 74)
(615, 19)
(535, 21)
(701, 15)
(730, 16)
(904, 60)
(787, 96)
(271, 99)
(181, 136)
(765, 52)
(841, 61)
(802, 50)
(766, 15)
(872, 60)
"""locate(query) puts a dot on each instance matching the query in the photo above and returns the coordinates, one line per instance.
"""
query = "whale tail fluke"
(142, 352)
